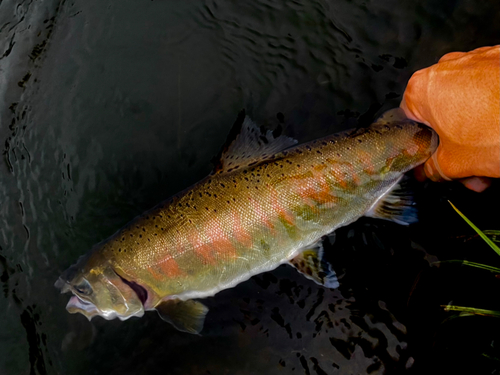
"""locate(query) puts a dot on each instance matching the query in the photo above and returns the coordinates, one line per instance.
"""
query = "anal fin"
(312, 264)
(186, 316)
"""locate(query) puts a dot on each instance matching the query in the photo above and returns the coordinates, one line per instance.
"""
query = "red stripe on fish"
(221, 244)
(240, 234)
(317, 189)
(170, 268)
(262, 216)
(202, 247)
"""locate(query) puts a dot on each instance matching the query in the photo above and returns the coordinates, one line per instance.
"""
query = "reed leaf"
(478, 231)
(471, 311)
(471, 264)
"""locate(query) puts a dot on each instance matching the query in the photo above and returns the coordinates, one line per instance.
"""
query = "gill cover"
(99, 291)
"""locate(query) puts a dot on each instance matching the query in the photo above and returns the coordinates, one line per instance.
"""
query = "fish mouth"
(79, 305)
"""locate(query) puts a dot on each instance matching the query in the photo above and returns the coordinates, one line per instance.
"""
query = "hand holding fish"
(460, 98)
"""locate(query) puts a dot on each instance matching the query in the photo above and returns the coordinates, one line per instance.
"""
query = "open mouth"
(133, 299)
(79, 305)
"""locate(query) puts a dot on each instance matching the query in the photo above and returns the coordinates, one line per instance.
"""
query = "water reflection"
(109, 108)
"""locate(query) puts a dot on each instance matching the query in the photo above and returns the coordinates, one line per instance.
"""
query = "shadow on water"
(110, 107)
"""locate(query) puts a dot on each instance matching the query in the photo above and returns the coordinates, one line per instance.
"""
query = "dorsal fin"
(247, 145)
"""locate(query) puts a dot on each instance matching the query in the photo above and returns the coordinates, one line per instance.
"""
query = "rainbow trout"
(267, 202)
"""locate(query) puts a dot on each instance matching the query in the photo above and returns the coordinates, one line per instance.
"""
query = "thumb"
(433, 170)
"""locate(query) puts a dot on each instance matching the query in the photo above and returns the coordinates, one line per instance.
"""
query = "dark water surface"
(108, 107)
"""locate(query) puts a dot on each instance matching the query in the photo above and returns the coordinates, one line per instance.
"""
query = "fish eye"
(83, 288)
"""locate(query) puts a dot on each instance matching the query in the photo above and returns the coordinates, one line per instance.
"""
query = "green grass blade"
(493, 235)
(472, 310)
(478, 231)
(471, 264)
(493, 358)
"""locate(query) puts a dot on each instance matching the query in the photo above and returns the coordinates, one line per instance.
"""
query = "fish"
(267, 202)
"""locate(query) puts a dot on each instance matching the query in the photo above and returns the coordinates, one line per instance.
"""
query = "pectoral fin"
(396, 205)
(186, 316)
(311, 264)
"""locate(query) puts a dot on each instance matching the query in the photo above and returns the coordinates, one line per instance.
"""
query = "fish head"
(99, 291)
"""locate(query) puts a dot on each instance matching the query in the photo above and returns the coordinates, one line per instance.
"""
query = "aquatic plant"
(490, 237)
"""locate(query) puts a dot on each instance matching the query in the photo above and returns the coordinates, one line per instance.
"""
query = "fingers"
(433, 170)
(415, 101)
(457, 55)
(452, 56)
(477, 184)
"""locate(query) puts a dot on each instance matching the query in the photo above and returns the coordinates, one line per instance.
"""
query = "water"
(110, 107)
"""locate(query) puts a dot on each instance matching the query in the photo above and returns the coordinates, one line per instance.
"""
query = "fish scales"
(231, 226)
(249, 216)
